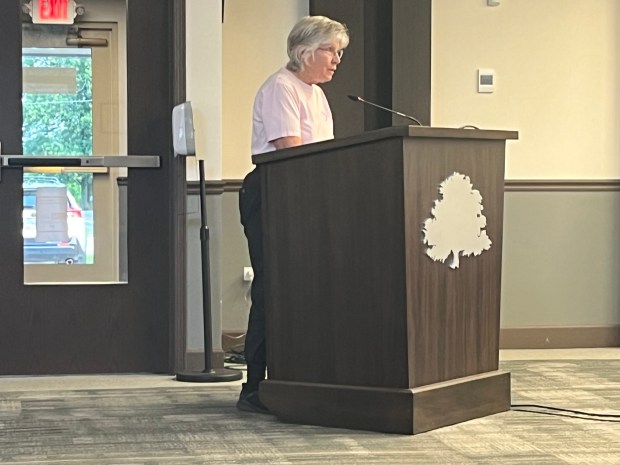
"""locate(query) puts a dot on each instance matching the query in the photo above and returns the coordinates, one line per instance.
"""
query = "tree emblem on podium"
(456, 226)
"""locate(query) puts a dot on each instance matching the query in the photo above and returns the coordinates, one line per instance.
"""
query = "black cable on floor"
(565, 412)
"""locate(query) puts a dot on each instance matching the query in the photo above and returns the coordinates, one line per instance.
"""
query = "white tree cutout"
(458, 223)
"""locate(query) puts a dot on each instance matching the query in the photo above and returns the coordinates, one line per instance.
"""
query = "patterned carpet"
(198, 424)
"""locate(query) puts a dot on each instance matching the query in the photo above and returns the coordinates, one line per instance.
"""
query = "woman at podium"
(290, 109)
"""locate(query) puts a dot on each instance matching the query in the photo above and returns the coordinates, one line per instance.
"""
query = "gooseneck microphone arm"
(355, 98)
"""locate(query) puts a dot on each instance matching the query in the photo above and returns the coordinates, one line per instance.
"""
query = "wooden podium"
(364, 330)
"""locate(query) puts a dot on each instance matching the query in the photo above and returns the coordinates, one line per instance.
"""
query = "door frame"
(156, 207)
(149, 123)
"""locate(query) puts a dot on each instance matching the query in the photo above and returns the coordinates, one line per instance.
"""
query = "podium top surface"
(385, 133)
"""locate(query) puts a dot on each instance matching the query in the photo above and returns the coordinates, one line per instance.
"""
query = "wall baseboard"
(559, 337)
(531, 337)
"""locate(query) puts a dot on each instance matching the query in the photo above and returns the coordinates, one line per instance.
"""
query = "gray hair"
(310, 33)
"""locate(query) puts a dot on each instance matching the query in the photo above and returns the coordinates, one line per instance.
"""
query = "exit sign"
(53, 11)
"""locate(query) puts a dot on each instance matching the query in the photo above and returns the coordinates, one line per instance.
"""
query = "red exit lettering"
(53, 9)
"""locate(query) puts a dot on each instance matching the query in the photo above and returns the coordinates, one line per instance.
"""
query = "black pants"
(255, 350)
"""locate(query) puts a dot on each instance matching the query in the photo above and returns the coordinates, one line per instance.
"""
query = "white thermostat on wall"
(486, 81)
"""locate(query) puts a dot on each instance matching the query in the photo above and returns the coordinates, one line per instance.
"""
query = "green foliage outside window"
(61, 123)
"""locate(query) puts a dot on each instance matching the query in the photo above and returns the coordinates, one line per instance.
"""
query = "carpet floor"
(199, 424)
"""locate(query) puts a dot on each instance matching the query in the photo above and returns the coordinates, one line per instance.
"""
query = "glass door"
(71, 215)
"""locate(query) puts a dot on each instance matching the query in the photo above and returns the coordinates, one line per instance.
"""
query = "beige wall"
(557, 69)
(226, 64)
(254, 46)
(558, 84)
(556, 64)
(204, 83)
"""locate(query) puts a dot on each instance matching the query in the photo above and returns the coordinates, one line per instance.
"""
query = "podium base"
(388, 410)
(216, 375)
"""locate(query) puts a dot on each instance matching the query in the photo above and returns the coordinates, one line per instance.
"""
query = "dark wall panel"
(388, 62)
(349, 79)
(411, 70)
(10, 79)
(152, 195)
(377, 63)
(12, 269)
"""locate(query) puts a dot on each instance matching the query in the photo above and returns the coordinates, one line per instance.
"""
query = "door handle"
(87, 42)
(109, 161)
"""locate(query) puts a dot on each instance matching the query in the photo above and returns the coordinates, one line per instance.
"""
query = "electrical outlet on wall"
(248, 273)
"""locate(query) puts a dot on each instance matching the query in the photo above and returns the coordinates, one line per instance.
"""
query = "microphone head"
(354, 98)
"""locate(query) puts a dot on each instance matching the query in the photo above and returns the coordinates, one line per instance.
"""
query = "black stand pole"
(209, 374)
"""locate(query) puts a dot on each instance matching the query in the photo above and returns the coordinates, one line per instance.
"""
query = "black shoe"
(249, 402)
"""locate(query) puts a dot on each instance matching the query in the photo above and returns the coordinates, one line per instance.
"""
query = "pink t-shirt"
(287, 106)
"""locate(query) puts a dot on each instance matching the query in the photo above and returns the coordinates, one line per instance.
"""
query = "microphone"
(360, 99)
